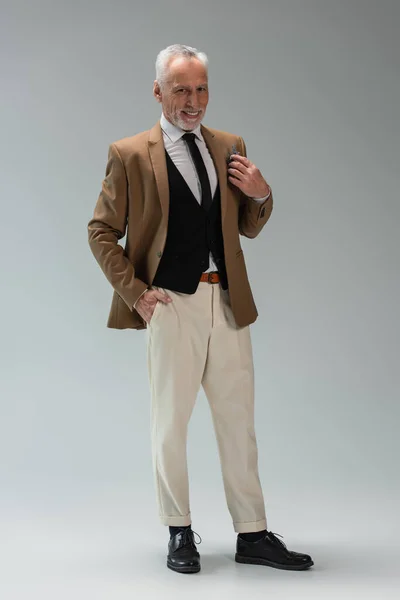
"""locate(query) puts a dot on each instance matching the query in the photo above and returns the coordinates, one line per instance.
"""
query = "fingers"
(148, 302)
(235, 168)
(235, 164)
(162, 296)
(239, 168)
(237, 174)
(236, 182)
(241, 159)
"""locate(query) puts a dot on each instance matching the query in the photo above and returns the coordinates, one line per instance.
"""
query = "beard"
(187, 124)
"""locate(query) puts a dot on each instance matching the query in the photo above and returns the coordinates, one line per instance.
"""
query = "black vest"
(192, 234)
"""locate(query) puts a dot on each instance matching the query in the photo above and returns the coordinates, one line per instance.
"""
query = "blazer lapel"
(159, 163)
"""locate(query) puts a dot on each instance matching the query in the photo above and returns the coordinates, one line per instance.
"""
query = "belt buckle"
(210, 276)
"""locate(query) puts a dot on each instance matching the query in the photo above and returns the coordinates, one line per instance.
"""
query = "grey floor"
(104, 542)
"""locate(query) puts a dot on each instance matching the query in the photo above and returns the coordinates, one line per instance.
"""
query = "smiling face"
(184, 95)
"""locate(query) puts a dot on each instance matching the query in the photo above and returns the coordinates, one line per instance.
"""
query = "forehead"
(186, 71)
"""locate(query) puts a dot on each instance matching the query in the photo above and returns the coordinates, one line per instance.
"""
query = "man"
(184, 193)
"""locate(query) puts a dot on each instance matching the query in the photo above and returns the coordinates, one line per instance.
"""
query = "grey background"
(313, 87)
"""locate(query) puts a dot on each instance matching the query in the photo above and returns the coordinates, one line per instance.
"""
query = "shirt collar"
(175, 133)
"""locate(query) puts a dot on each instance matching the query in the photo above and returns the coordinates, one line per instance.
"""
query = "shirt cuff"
(262, 199)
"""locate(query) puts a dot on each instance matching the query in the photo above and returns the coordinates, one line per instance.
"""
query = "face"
(184, 95)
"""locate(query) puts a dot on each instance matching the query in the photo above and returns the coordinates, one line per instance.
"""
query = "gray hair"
(165, 55)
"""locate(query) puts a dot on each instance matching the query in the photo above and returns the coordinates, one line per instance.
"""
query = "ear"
(157, 91)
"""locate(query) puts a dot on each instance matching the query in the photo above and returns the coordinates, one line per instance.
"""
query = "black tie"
(206, 198)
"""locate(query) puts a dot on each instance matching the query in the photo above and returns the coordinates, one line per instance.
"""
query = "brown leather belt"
(210, 277)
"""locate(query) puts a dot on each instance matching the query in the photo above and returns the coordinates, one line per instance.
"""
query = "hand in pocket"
(147, 303)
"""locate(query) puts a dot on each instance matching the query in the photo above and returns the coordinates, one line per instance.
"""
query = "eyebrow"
(187, 87)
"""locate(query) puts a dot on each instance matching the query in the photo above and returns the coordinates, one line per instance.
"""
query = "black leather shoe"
(182, 552)
(272, 552)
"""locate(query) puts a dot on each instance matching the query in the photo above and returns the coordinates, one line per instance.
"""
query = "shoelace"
(273, 535)
(188, 536)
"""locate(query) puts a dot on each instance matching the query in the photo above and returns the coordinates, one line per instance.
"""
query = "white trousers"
(195, 341)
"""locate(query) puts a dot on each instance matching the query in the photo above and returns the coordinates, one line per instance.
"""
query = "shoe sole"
(183, 569)
(263, 561)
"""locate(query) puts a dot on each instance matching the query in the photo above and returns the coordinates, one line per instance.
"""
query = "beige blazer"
(134, 200)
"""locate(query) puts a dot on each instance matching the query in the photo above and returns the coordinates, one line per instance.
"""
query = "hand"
(148, 302)
(245, 175)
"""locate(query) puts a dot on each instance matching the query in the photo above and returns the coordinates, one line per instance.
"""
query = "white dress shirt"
(180, 154)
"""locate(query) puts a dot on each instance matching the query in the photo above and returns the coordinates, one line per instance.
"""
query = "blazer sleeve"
(252, 214)
(108, 225)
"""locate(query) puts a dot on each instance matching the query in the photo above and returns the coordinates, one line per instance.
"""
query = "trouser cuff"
(178, 521)
(250, 526)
